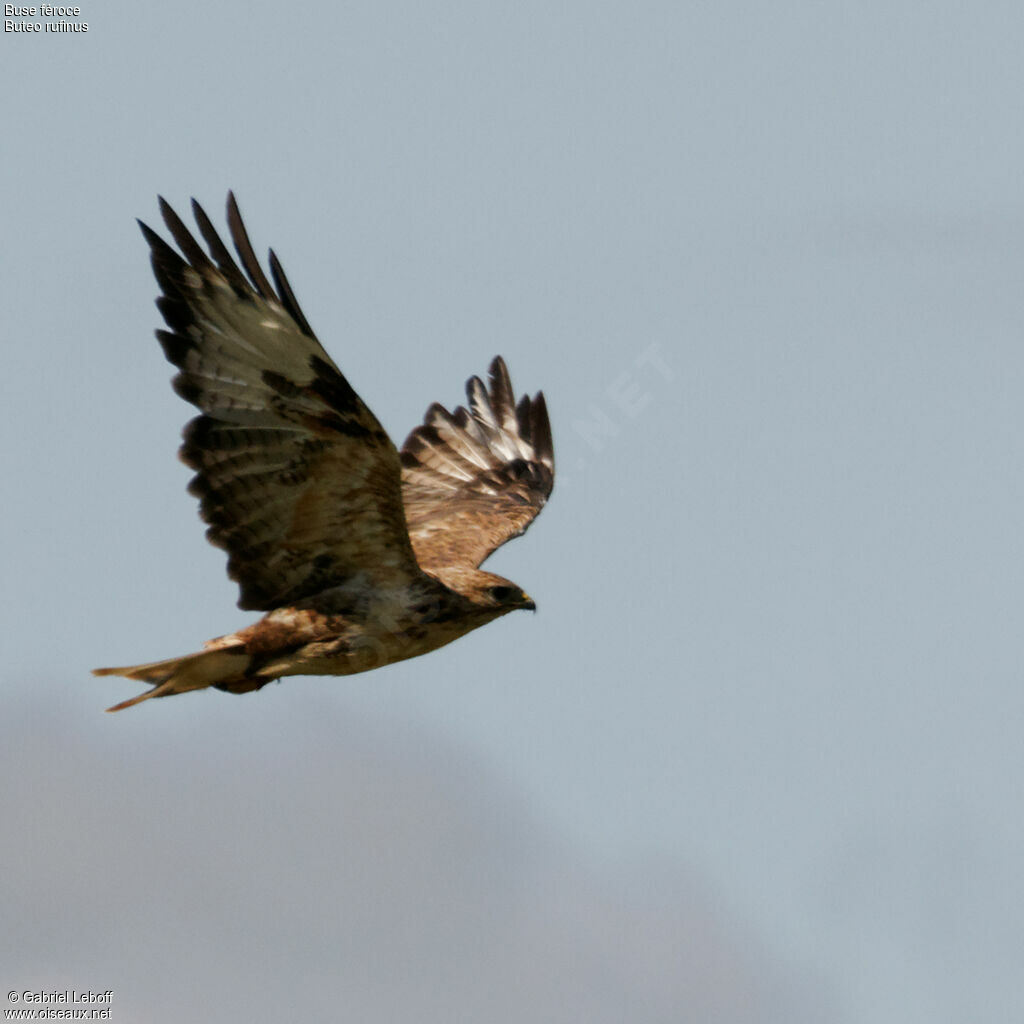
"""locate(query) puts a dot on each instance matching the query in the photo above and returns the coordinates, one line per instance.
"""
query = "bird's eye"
(502, 593)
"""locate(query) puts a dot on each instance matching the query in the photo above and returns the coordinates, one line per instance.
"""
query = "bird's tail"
(197, 671)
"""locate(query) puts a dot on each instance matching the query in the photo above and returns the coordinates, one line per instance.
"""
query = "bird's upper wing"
(297, 480)
(475, 478)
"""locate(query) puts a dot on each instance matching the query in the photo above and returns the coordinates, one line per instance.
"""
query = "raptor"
(359, 554)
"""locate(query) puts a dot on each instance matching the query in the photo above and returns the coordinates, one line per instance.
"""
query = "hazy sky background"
(757, 757)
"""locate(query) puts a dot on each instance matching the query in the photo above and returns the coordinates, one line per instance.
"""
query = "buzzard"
(361, 555)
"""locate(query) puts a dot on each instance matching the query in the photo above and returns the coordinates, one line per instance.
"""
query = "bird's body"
(360, 555)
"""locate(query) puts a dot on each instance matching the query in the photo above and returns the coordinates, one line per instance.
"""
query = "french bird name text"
(44, 11)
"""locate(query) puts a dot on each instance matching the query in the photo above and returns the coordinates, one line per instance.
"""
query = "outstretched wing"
(475, 478)
(297, 480)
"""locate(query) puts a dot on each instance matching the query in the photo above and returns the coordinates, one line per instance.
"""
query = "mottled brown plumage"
(360, 555)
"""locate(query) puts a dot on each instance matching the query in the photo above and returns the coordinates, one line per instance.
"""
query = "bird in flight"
(360, 554)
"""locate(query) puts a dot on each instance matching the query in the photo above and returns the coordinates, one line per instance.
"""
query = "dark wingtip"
(284, 290)
(246, 253)
(502, 396)
(147, 232)
(541, 429)
(189, 247)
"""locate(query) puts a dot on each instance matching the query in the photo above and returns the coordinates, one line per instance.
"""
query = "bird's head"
(487, 592)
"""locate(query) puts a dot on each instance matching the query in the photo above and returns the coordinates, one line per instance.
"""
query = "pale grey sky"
(756, 758)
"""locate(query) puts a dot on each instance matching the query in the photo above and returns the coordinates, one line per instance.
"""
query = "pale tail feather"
(179, 675)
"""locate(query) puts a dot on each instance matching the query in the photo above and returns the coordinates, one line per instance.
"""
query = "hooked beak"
(528, 603)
